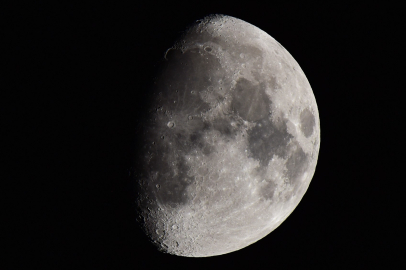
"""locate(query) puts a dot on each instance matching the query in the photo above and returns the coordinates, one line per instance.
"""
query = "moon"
(230, 142)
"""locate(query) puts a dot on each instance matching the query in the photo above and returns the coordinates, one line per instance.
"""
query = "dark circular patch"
(307, 122)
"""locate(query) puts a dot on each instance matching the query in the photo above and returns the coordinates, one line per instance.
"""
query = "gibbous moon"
(230, 143)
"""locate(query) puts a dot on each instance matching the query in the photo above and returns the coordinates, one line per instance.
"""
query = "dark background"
(75, 85)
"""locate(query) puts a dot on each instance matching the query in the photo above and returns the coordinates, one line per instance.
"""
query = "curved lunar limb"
(230, 143)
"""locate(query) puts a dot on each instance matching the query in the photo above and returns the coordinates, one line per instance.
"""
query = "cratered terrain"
(230, 142)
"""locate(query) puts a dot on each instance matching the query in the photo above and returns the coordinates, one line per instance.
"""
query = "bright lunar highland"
(230, 143)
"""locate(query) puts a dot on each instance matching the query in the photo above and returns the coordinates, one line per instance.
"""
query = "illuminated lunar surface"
(230, 143)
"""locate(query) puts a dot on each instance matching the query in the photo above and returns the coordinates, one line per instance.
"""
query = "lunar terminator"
(230, 143)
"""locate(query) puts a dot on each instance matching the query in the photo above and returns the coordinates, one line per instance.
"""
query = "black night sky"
(75, 86)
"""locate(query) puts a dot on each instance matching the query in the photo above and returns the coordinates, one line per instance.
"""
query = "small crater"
(160, 233)
(208, 49)
(171, 124)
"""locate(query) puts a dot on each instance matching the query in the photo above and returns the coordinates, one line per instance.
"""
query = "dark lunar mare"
(250, 101)
(266, 140)
(296, 164)
(176, 96)
(171, 128)
(268, 190)
(307, 122)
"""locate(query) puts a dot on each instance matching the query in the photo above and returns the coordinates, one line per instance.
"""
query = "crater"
(307, 122)
(208, 49)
